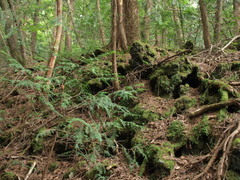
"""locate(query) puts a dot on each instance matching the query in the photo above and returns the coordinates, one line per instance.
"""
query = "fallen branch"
(234, 83)
(226, 150)
(230, 42)
(30, 170)
(214, 106)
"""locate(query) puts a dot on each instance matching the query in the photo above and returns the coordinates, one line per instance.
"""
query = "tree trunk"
(68, 32)
(101, 27)
(57, 39)
(176, 20)
(147, 21)
(206, 34)
(131, 19)
(34, 34)
(114, 44)
(218, 21)
(71, 14)
(157, 38)
(236, 7)
(13, 38)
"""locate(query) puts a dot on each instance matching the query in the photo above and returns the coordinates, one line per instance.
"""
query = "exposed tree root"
(215, 106)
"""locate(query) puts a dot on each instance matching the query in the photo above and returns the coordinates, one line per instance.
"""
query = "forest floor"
(22, 116)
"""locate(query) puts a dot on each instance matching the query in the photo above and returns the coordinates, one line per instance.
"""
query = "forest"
(120, 89)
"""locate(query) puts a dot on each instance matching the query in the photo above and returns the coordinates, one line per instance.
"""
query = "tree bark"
(236, 8)
(218, 21)
(68, 32)
(101, 27)
(71, 14)
(131, 18)
(34, 34)
(57, 39)
(13, 38)
(114, 45)
(176, 20)
(147, 21)
(206, 33)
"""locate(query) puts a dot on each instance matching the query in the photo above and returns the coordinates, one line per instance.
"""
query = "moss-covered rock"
(166, 80)
(175, 132)
(8, 176)
(223, 69)
(151, 157)
(142, 54)
(96, 85)
(184, 102)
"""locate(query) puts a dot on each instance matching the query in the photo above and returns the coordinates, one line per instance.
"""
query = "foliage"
(175, 131)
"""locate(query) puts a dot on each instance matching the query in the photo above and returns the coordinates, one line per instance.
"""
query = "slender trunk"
(176, 20)
(34, 34)
(26, 61)
(218, 21)
(120, 31)
(68, 33)
(114, 46)
(101, 27)
(157, 38)
(13, 38)
(206, 33)
(147, 21)
(131, 19)
(236, 8)
(57, 39)
(71, 14)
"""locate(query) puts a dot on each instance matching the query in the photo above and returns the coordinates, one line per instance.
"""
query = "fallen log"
(215, 106)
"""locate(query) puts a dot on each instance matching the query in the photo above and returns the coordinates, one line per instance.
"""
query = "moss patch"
(183, 103)
(8, 176)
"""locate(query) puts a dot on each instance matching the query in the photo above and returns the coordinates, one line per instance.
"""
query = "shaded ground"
(22, 115)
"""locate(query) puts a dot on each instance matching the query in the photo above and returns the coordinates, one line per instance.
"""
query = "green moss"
(141, 54)
(99, 171)
(202, 129)
(8, 176)
(236, 142)
(175, 132)
(53, 166)
(170, 75)
(184, 102)
(70, 173)
(37, 145)
(232, 175)
(184, 89)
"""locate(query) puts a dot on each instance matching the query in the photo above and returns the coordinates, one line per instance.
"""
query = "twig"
(30, 170)
(234, 83)
(230, 42)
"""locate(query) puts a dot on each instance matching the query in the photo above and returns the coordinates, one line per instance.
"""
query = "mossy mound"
(183, 103)
(235, 156)
(227, 71)
(151, 157)
(166, 80)
(8, 176)
(142, 54)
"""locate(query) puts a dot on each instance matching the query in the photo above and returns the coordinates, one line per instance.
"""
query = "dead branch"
(226, 150)
(214, 106)
(230, 42)
(234, 83)
(30, 170)
(219, 145)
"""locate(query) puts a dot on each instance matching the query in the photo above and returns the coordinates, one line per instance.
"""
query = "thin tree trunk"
(236, 8)
(218, 21)
(120, 31)
(71, 14)
(34, 34)
(57, 39)
(114, 45)
(13, 38)
(157, 38)
(176, 20)
(147, 21)
(25, 59)
(206, 33)
(101, 27)
(68, 33)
